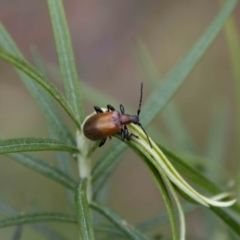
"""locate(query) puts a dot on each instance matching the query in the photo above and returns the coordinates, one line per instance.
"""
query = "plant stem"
(84, 163)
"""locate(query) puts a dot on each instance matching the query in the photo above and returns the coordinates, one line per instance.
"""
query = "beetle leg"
(131, 134)
(110, 137)
(98, 109)
(122, 134)
(122, 109)
(102, 142)
(127, 135)
(110, 108)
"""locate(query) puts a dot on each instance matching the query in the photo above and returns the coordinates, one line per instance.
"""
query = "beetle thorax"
(127, 119)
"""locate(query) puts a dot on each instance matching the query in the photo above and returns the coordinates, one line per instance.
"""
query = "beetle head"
(135, 119)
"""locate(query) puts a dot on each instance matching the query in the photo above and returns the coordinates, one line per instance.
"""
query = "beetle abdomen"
(102, 125)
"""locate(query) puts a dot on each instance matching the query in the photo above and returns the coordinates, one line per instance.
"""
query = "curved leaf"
(65, 57)
(196, 176)
(190, 172)
(83, 211)
(162, 163)
(32, 72)
(36, 217)
(33, 144)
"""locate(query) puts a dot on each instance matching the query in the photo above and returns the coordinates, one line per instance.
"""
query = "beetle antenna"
(140, 102)
(139, 124)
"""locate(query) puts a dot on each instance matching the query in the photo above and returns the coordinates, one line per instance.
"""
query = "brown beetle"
(104, 124)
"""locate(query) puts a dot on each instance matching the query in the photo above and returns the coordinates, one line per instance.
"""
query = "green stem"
(84, 163)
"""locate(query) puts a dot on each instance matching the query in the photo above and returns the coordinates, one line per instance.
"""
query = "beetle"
(102, 125)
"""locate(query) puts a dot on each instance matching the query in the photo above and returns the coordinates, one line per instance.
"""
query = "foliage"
(162, 163)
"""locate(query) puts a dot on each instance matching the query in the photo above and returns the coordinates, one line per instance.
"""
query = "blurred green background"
(105, 35)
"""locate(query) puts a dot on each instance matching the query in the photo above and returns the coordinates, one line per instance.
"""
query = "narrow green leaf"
(43, 168)
(62, 158)
(166, 89)
(161, 183)
(36, 217)
(33, 144)
(199, 178)
(65, 57)
(55, 122)
(43, 228)
(169, 85)
(37, 76)
(83, 211)
(57, 126)
(190, 172)
(43, 99)
(167, 200)
(228, 219)
(120, 223)
(143, 150)
(182, 224)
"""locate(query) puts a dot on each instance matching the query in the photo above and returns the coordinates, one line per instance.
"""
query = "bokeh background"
(105, 35)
